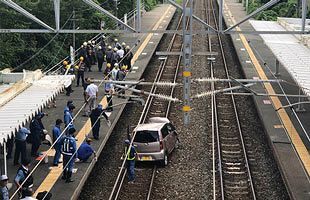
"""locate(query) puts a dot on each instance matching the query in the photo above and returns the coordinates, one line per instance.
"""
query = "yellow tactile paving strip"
(56, 172)
(284, 117)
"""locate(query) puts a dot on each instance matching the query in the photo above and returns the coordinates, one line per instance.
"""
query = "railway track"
(154, 107)
(232, 177)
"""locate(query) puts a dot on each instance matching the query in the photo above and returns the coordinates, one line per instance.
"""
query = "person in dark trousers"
(108, 88)
(9, 146)
(121, 75)
(88, 59)
(115, 57)
(67, 106)
(20, 145)
(130, 160)
(68, 117)
(68, 147)
(85, 151)
(95, 120)
(109, 55)
(100, 58)
(128, 58)
(57, 140)
(4, 191)
(83, 51)
(80, 72)
(37, 132)
(22, 173)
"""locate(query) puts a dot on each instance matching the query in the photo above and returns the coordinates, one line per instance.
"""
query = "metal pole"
(221, 16)
(300, 106)
(4, 159)
(187, 56)
(303, 14)
(277, 73)
(246, 6)
(125, 18)
(73, 16)
(138, 15)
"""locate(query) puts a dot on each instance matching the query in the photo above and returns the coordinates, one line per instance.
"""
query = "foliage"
(16, 48)
(282, 9)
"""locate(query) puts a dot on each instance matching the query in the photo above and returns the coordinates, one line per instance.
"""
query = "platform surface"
(47, 177)
(286, 137)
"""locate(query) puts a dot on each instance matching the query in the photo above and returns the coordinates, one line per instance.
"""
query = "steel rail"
(235, 109)
(119, 183)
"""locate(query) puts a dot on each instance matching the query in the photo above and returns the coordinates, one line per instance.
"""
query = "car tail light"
(161, 145)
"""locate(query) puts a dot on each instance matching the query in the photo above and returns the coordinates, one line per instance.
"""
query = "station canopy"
(292, 51)
(21, 100)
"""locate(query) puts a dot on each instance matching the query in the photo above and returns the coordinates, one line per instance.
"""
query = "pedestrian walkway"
(290, 146)
(46, 176)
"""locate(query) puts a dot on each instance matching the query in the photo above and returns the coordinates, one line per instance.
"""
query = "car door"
(173, 137)
(165, 134)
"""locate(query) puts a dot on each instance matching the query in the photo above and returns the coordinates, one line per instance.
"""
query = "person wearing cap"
(123, 45)
(4, 190)
(22, 173)
(115, 57)
(80, 71)
(57, 140)
(100, 57)
(109, 90)
(130, 160)
(116, 43)
(20, 144)
(37, 133)
(68, 116)
(91, 93)
(95, 120)
(128, 58)
(27, 194)
(109, 54)
(121, 75)
(86, 150)
(67, 105)
(68, 149)
(107, 70)
(114, 72)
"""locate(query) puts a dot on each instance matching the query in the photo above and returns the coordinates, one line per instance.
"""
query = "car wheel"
(164, 162)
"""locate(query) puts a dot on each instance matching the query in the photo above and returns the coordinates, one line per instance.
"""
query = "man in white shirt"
(91, 94)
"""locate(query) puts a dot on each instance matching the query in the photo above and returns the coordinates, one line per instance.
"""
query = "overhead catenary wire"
(38, 52)
(63, 132)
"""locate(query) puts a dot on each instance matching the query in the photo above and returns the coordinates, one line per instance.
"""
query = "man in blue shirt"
(4, 191)
(20, 144)
(22, 173)
(68, 147)
(85, 151)
(57, 141)
(67, 106)
(68, 117)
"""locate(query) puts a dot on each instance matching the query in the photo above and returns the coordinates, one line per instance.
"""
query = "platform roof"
(290, 52)
(19, 110)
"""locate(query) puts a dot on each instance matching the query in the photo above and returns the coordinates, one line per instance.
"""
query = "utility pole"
(73, 18)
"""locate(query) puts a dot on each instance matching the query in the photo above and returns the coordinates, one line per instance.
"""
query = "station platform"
(288, 139)
(46, 176)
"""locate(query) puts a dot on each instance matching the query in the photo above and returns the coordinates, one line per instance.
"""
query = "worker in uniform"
(68, 147)
(130, 160)
(57, 140)
(37, 133)
(100, 58)
(93, 45)
(120, 52)
(95, 116)
(109, 55)
(107, 70)
(115, 57)
(20, 144)
(116, 43)
(123, 45)
(109, 90)
(4, 191)
(114, 72)
(83, 51)
(85, 151)
(121, 75)
(128, 58)
(22, 173)
(80, 71)
(67, 70)
(67, 105)
(68, 117)
(91, 93)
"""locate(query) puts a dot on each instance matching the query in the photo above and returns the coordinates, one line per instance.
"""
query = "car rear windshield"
(146, 136)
